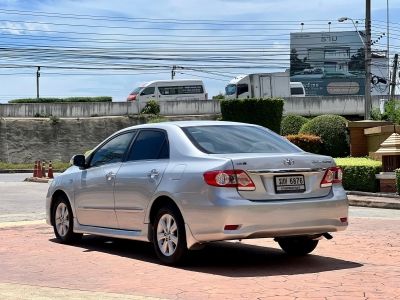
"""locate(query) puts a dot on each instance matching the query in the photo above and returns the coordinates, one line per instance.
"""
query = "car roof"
(181, 124)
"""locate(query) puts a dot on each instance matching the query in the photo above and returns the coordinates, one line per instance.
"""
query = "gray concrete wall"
(24, 140)
(343, 105)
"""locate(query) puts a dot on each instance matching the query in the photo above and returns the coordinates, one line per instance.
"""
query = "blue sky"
(131, 42)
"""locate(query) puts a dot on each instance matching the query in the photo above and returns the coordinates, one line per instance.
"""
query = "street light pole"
(367, 103)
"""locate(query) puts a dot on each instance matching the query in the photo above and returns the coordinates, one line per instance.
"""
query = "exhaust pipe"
(327, 236)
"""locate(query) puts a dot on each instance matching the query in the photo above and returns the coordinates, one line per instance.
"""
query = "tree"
(357, 61)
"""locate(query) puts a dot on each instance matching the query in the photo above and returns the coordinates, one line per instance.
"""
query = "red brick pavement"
(360, 263)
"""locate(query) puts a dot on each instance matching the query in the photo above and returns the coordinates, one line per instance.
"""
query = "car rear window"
(220, 139)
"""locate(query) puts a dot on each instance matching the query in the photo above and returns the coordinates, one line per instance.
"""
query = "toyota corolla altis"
(183, 184)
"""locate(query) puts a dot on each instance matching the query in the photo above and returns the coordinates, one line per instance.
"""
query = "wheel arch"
(159, 202)
(57, 193)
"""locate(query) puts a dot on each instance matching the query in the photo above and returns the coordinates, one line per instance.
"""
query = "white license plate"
(289, 184)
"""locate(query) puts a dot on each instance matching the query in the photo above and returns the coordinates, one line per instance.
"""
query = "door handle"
(110, 176)
(153, 174)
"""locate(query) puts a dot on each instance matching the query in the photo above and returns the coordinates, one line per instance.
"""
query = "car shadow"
(222, 258)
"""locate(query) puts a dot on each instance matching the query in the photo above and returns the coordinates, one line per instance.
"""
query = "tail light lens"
(332, 175)
(230, 178)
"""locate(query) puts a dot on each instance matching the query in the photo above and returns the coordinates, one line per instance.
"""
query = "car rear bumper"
(259, 219)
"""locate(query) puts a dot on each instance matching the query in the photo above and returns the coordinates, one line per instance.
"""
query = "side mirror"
(79, 161)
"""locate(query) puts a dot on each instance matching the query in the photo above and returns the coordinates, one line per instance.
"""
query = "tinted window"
(237, 139)
(176, 90)
(113, 151)
(296, 91)
(149, 144)
(148, 91)
(242, 88)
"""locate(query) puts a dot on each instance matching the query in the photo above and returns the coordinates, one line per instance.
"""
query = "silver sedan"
(180, 185)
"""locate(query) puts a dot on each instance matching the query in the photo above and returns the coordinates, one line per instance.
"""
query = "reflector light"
(343, 220)
(231, 227)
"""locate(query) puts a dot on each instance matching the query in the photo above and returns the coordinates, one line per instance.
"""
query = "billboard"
(328, 63)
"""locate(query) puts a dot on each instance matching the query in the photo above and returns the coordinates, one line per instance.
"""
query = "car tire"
(298, 246)
(63, 222)
(169, 237)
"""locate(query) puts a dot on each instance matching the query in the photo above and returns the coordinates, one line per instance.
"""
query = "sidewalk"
(389, 201)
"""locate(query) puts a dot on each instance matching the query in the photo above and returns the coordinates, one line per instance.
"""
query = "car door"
(94, 190)
(139, 176)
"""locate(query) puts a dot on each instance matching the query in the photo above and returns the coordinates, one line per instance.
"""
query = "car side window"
(149, 144)
(113, 151)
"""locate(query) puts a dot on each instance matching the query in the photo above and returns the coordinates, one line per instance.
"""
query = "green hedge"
(359, 173)
(333, 132)
(308, 143)
(398, 180)
(291, 124)
(56, 100)
(264, 112)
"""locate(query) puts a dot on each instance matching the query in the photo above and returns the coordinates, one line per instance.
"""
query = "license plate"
(289, 184)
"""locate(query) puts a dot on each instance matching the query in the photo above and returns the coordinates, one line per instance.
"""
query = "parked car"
(183, 184)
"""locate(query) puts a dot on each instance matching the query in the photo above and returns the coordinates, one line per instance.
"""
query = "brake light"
(332, 175)
(230, 178)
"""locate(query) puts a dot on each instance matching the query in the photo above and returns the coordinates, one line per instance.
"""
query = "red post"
(39, 170)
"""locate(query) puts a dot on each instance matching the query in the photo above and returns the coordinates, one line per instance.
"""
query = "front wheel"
(63, 222)
(169, 235)
(297, 246)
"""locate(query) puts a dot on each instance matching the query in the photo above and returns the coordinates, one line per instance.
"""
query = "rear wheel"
(297, 246)
(169, 237)
(63, 221)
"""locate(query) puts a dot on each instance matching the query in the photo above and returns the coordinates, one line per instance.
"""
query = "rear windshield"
(220, 139)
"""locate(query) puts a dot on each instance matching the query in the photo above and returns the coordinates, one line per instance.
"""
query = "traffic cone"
(50, 173)
(35, 168)
(39, 170)
(44, 169)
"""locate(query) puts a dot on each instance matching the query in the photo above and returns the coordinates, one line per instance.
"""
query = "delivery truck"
(261, 85)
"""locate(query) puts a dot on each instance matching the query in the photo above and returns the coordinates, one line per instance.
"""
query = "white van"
(297, 89)
(169, 90)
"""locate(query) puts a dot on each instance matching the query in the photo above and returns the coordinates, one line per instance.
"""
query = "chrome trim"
(275, 171)
(131, 209)
(96, 208)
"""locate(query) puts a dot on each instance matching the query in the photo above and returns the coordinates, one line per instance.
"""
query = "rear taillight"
(332, 175)
(230, 178)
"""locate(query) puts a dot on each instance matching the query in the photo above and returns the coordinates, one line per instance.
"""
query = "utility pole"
(393, 83)
(367, 103)
(173, 72)
(37, 82)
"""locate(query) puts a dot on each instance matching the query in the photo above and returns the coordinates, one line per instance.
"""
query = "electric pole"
(173, 72)
(37, 82)
(367, 103)
(393, 83)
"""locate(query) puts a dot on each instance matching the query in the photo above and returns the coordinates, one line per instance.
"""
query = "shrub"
(333, 132)
(291, 124)
(62, 100)
(264, 112)
(152, 108)
(359, 173)
(308, 143)
(397, 180)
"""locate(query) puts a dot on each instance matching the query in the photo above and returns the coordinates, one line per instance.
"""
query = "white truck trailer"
(261, 85)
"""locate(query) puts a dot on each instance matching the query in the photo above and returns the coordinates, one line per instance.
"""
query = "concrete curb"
(387, 203)
(369, 194)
